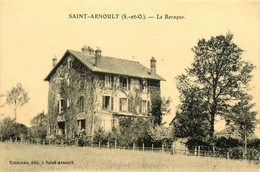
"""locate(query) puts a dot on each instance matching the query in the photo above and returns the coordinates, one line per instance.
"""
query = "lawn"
(93, 159)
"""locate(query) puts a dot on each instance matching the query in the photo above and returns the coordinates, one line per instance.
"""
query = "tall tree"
(191, 120)
(160, 108)
(243, 117)
(16, 98)
(39, 126)
(220, 73)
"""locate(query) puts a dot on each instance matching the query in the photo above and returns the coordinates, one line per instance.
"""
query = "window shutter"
(129, 83)
(140, 106)
(120, 104)
(148, 106)
(112, 103)
(112, 81)
(103, 104)
(129, 105)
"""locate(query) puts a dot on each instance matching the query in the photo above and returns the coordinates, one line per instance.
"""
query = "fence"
(204, 151)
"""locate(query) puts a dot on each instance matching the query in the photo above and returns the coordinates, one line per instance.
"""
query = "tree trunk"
(212, 123)
(93, 128)
(245, 142)
(15, 114)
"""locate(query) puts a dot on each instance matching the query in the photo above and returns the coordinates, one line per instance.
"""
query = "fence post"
(133, 146)
(199, 151)
(108, 145)
(213, 151)
(99, 144)
(43, 142)
(10, 139)
(162, 147)
(143, 146)
(115, 144)
(152, 147)
(228, 155)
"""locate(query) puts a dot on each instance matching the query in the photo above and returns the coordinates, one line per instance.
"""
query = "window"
(61, 105)
(68, 102)
(123, 105)
(69, 63)
(123, 82)
(144, 86)
(61, 128)
(114, 123)
(148, 106)
(108, 103)
(81, 124)
(61, 83)
(68, 80)
(82, 82)
(144, 110)
(108, 81)
(81, 103)
(130, 105)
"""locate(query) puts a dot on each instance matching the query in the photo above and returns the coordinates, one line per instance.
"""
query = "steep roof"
(110, 65)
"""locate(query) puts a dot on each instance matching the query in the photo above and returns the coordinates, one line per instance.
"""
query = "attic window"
(123, 82)
(69, 63)
(108, 82)
(144, 86)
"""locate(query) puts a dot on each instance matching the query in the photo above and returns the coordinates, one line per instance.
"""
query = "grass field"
(93, 159)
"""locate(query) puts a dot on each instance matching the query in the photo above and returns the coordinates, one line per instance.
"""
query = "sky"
(33, 32)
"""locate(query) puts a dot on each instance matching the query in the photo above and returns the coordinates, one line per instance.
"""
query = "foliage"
(242, 116)
(9, 128)
(227, 143)
(191, 120)
(16, 98)
(39, 126)
(161, 134)
(220, 74)
(160, 108)
(254, 143)
(135, 131)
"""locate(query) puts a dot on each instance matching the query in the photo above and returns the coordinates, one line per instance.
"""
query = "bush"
(255, 143)
(225, 143)
(9, 128)
(253, 154)
(236, 153)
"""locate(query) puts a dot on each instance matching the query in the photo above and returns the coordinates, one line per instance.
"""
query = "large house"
(88, 90)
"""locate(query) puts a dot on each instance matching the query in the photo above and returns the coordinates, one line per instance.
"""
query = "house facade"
(88, 90)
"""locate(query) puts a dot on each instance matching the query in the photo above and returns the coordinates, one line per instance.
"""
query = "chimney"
(153, 66)
(54, 61)
(87, 50)
(97, 57)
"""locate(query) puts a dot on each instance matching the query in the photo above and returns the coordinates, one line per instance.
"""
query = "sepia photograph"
(129, 85)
